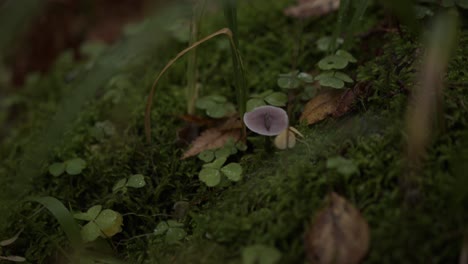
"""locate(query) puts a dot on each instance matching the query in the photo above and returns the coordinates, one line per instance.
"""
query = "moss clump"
(281, 191)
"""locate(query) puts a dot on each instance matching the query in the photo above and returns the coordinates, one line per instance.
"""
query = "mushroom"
(267, 120)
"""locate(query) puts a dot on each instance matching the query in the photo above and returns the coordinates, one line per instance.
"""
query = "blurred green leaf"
(57, 168)
(277, 99)
(206, 156)
(332, 82)
(288, 82)
(211, 177)
(161, 228)
(136, 181)
(343, 76)
(175, 234)
(233, 171)
(119, 185)
(90, 232)
(254, 103)
(333, 62)
(75, 166)
(346, 55)
(260, 254)
(344, 166)
(305, 77)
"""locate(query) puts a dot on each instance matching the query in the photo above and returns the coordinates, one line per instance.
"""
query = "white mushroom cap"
(267, 120)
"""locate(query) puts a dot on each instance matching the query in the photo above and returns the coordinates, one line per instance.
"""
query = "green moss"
(281, 191)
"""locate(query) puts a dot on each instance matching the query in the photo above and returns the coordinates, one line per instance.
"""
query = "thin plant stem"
(236, 58)
(192, 73)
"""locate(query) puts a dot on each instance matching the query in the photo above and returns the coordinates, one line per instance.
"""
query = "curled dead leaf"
(339, 234)
(349, 97)
(216, 137)
(321, 106)
(308, 8)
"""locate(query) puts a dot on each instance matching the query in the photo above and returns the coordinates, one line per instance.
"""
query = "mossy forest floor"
(280, 191)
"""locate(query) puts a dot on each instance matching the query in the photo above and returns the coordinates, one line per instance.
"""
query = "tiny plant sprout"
(267, 120)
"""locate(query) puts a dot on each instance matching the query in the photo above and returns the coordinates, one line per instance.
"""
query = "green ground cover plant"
(93, 185)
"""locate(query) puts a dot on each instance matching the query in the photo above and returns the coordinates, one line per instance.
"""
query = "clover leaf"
(343, 166)
(215, 106)
(90, 232)
(172, 230)
(254, 103)
(260, 254)
(232, 171)
(90, 215)
(333, 79)
(110, 222)
(75, 166)
(276, 99)
(288, 81)
(332, 62)
(210, 176)
(104, 223)
(120, 185)
(323, 43)
(207, 155)
(343, 76)
(136, 181)
(57, 168)
(346, 55)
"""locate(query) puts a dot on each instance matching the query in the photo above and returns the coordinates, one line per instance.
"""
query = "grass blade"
(64, 217)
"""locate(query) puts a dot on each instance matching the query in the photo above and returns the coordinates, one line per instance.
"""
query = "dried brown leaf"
(322, 105)
(211, 139)
(339, 234)
(308, 8)
(348, 99)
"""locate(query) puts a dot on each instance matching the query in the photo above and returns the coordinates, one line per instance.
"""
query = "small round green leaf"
(94, 211)
(344, 77)
(136, 181)
(173, 223)
(204, 102)
(223, 152)
(260, 254)
(277, 99)
(333, 62)
(75, 166)
(254, 103)
(346, 55)
(217, 164)
(57, 168)
(288, 82)
(217, 98)
(211, 177)
(175, 234)
(233, 171)
(344, 166)
(161, 228)
(324, 75)
(119, 185)
(323, 43)
(90, 232)
(264, 94)
(109, 222)
(241, 146)
(332, 82)
(305, 77)
(217, 110)
(206, 156)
